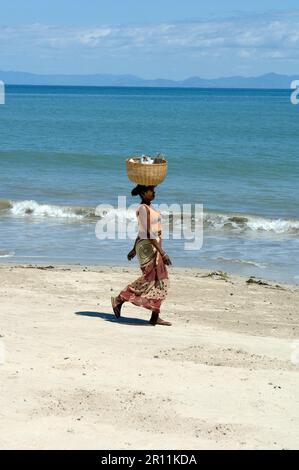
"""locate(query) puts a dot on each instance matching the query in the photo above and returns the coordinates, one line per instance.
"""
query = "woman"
(150, 289)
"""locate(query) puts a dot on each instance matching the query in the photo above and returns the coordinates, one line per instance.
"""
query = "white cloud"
(273, 36)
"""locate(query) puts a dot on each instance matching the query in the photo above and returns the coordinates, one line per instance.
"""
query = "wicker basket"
(146, 174)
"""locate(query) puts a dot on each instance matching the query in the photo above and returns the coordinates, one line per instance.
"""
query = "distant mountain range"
(269, 80)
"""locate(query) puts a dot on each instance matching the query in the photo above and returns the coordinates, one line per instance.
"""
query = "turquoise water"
(63, 149)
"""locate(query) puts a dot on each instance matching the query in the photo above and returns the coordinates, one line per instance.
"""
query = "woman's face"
(149, 195)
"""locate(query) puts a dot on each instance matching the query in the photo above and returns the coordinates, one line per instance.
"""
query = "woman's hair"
(140, 189)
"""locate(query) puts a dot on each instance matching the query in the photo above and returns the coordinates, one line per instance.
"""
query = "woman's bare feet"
(160, 321)
(116, 306)
(156, 320)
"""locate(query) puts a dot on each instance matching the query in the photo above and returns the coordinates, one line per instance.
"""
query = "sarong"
(151, 288)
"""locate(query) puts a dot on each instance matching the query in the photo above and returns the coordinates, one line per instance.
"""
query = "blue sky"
(166, 39)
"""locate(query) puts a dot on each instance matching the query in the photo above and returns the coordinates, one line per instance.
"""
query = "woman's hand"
(131, 254)
(166, 259)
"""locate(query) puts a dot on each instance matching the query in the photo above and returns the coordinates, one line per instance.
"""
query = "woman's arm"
(137, 238)
(132, 253)
(154, 242)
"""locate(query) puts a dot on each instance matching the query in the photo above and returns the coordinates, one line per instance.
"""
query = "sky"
(173, 39)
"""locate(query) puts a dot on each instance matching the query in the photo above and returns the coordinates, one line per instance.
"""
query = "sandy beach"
(224, 376)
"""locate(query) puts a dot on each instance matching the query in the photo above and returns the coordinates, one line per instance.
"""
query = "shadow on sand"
(110, 317)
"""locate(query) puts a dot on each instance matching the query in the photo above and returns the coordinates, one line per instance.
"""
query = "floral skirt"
(151, 288)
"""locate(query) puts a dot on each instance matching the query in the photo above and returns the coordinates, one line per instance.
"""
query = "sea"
(234, 152)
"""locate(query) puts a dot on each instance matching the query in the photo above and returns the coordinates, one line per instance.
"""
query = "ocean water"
(63, 151)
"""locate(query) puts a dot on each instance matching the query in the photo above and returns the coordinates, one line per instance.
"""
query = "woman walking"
(150, 289)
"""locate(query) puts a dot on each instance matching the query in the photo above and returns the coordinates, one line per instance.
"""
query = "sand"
(224, 376)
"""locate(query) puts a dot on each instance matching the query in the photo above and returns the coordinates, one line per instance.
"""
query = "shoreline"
(223, 376)
(244, 242)
(201, 270)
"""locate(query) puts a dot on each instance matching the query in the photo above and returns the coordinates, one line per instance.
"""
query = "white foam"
(273, 225)
(249, 222)
(218, 221)
(242, 261)
(4, 254)
(33, 208)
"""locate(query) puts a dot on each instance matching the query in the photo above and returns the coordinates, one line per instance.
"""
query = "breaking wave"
(212, 220)
(6, 254)
(252, 223)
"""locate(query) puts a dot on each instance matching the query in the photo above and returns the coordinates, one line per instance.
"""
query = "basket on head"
(146, 174)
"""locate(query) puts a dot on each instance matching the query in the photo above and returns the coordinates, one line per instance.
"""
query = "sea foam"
(229, 222)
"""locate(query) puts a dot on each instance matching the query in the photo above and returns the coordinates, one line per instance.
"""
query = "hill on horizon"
(269, 80)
